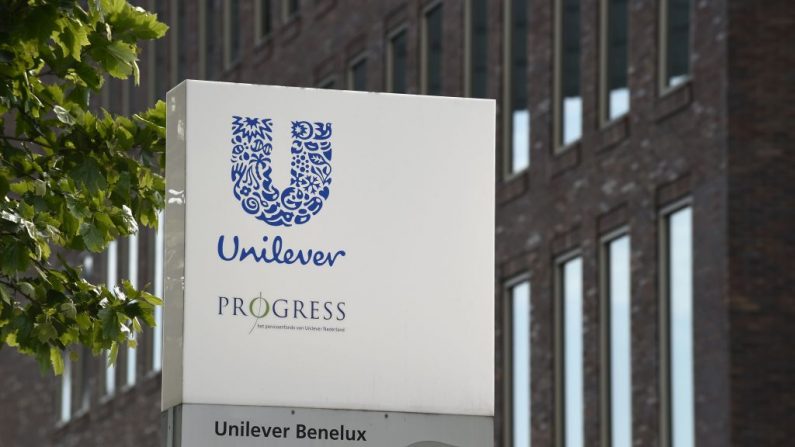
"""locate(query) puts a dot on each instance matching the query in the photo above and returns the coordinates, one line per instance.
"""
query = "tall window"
(518, 116)
(211, 47)
(675, 41)
(616, 317)
(161, 60)
(432, 51)
(132, 276)
(519, 294)
(357, 74)
(264, 19)
(615, 59)
(568, 99)
(677, 305)
(569, 354)
(182, 40)
(65, 412)
(111, 278)
(477, 42)
(157, 339)
(231, 32)
(396, 62)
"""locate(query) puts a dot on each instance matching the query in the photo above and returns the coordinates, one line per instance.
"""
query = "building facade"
(644, 228)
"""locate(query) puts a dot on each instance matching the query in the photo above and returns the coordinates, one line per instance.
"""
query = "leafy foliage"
(71, 178)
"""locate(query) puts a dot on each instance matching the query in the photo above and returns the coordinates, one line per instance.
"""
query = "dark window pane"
(234, 30)
(678, 57)
(398, 62)
(479, 48)
(210, 38)
(264, 18)
(182, 40)
(571, 107)
(617, 58)
(433, 52)
(161, 62)
(359, 75)
(520, 113)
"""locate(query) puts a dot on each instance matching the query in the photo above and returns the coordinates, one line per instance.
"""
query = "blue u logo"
(310, 170)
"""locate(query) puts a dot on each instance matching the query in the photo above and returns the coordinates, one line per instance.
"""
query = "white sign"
(329, 249)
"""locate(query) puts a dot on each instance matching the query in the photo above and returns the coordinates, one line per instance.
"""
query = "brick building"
(644, 220)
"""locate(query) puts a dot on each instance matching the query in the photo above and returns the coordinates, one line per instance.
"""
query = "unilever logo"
(310, 171)
(308, 190)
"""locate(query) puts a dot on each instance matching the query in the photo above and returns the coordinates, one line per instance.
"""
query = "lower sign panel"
(228, 425)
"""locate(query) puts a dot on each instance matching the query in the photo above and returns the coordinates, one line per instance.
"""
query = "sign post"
(329, 268)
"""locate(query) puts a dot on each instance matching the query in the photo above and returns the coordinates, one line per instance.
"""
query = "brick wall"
(720, 139)
(761, 159)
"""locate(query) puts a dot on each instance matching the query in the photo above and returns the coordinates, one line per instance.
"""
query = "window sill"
(673, 100)
(566, 158)
(513, 186)
(613, 133)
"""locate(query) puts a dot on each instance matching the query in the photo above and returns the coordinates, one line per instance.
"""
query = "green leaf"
(4, 295)
(93, 239)
(56, 358)
(63, 115)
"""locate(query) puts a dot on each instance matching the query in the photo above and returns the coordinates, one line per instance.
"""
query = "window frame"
(390, 56)
(260, 36)
(559, 344)
(508, 344)
(605, 330)
(604, 61)
(662, 61)
(508, 173)
(664, 323)
(424, 44)
(468, 39)
(558, 120)
(349, 71)
(230, 60)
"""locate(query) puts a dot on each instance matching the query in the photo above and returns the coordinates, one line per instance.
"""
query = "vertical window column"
(396, 62)
(132, 276)
(65, 412)
(182, 41)
(617, 346)
(675, 41)
(569, 354)
(517, 122)
(232, 31)
(111, 279)
(477, 42)
(431, 80)
(264, 19)
(614, 88)
(161, 61)
(157, 339)
(520, 363)
(210, 39)
(677, 305)
(568, 99)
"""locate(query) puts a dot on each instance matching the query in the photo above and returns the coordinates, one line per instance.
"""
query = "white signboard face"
(338, 250)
